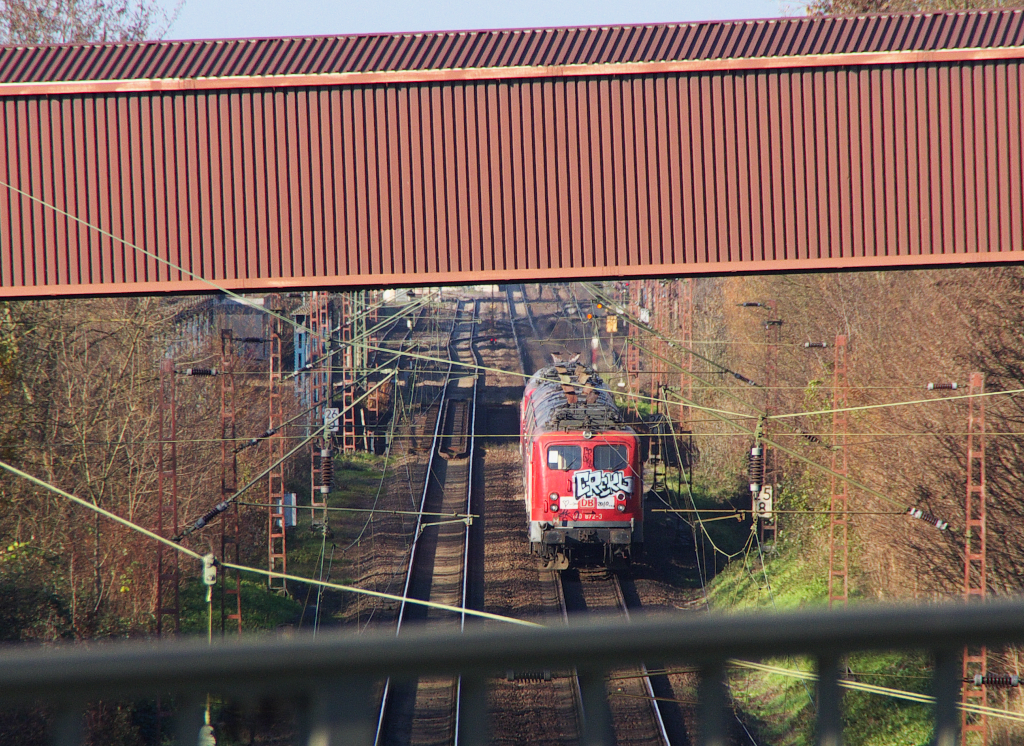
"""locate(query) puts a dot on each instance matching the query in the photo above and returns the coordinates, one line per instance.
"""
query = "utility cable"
(243, 568)
(145, 252)
(890, 405)
(238, 297)
(205, 519)
(311, 366)
(375, 511)
(380, 485)
(790, 452)
(320, 590)
(772, 417)
(250, 442)
(672, 343)
(101, 511)
(812, 463)
(860, 686)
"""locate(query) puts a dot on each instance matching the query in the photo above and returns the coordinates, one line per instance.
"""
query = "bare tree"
(864, 7)
(82, 21)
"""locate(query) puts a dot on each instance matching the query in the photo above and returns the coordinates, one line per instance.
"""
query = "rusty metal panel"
(635, 173)
(513, 48)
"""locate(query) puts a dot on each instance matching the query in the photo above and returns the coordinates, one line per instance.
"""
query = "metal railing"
(332, 678)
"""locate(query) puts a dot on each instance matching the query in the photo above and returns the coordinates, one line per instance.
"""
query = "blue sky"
(208, 19)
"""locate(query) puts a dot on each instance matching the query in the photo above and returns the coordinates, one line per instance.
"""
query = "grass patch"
(781, 707)
(262, 609)
(357, 478)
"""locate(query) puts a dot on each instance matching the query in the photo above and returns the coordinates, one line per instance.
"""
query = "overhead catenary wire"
(380, 511)
(775, 444)
(238, 297)
(311, 366)
(517, 374)
(925, 699)
(244, 568)
(220, 507)
(152, 255)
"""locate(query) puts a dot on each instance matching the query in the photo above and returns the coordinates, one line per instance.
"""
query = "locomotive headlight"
(554, 507)
(553, 497)
(621, 508)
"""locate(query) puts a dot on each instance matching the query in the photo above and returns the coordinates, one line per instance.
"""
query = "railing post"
(67, 726)
(341, 714)
(830, 713)
(473, 730)
(711, 698)
(947, 694)
(597, 721)
(189, 717)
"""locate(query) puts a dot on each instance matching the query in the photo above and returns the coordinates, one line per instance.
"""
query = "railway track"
(628, 699)
(635, 711)
(428, 710)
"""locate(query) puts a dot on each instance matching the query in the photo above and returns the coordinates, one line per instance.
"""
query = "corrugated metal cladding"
(476, 180)
(513, 48)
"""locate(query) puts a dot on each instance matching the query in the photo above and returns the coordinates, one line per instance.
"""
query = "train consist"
(582, 473)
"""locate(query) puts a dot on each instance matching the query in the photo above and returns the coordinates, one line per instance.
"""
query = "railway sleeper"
(456, 414)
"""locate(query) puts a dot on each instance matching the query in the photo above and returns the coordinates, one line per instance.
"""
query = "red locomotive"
(581, 470)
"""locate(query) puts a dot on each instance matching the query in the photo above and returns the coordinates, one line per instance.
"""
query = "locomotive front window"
(611, 458)
(565, 458)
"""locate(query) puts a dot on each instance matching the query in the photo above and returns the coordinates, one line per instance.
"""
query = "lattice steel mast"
(974, 730)
(276, 539)
(231, 582)
(168, 604)
(839, 559)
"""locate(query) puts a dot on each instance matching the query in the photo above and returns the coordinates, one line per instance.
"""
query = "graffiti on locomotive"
(596, 488)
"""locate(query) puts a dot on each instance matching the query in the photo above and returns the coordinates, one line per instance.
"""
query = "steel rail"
(555, 576)
(438, 425)
(577, 692)
(645, 678)
(469, 506)
(520, 348)
(601, 731)
(529, 312)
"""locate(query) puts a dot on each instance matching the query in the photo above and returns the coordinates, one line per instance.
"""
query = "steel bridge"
(572, 153)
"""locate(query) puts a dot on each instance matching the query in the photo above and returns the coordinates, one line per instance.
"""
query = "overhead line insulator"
(326, 470)
(756, 468)
(815, 345)
(198, 372)
(254, 441)
(995, 679)
(927, 517)
(942, 386)
(212, 513)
